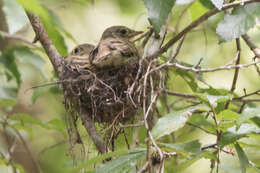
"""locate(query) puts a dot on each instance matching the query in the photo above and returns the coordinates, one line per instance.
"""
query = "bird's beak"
(135, 33)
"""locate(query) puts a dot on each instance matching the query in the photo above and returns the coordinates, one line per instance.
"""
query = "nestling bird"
(115, 47)
(78, 58)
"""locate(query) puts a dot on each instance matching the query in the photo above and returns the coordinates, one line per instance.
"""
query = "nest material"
(104, 93)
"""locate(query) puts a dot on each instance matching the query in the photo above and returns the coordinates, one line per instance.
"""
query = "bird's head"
(82, 49)
(120, 32)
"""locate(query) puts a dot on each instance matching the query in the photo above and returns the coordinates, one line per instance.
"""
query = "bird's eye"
(123, 31)
(76, 50)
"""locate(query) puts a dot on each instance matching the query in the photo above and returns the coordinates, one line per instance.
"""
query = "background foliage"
(33, 136)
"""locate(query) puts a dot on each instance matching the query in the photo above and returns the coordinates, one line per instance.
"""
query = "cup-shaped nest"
(106, 94)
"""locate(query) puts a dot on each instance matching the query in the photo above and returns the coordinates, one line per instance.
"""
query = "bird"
(78, 58)
(115, 47)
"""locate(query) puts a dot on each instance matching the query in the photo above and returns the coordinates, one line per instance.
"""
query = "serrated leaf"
(25, 55)
(17, 20)
(242, 157)
(218, 3)
(125, 163)
(247, 114)
(238, 23)
(48, 23)
(158, 12)
(171, 122)
(192, 147)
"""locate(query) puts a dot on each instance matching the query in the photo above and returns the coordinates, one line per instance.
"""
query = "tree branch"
(41, 35)
(196, 23)
(93, 133)
(58, 64)
(17, 37)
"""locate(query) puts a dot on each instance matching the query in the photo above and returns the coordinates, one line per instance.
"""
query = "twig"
(203, 70)
(144, 168)
(206, 131)
(251, 45)
(233, 87)
(196, 23)
(18, 37)
(41, 35)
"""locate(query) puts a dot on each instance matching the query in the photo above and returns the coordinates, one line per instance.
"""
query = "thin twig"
(18, 37)
(233, 87)
(195, 23)
(251, 45)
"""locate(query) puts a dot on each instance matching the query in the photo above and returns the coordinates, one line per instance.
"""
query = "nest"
(105, 94)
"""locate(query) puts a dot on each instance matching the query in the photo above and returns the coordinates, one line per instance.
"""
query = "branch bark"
(58, 64)
(41, 35)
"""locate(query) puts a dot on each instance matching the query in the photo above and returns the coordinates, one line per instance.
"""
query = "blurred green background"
(85, 20)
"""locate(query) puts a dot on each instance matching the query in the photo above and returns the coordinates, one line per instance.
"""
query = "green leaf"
(200, 120)
(8, 60)
(99, 159)
(229, 137)
(197, 9)
(186, 163)
(213, 100)
(245, 129)
(248, 113)
(192, 147)
(8, 97)
(41, 91)
(227, 115)
(171, 122)
(238, 23)
(33, 6)
(125, 163)
(17, 20)
(58, 125)
(25, 55)
(158, 12)
(189, 79)
(217, 3)
(26, 119)
(242, 157)
(207, 3)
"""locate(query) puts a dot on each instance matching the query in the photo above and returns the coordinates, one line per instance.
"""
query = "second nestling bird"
(115, 47)
(78, 58)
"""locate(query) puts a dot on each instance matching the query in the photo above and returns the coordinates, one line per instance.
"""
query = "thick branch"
(93, 133)
(196, 23)
(46, 42)
(58, 64)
